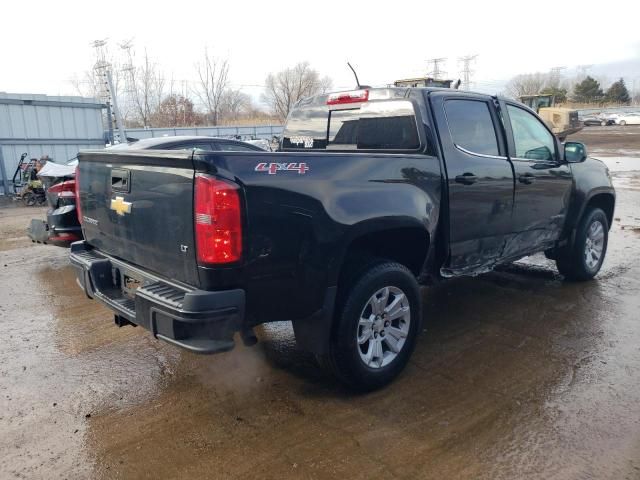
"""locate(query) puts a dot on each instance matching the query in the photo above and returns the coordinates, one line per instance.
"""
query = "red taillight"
(76, 187)
(353, 96)
(65, 189)
(218, 220)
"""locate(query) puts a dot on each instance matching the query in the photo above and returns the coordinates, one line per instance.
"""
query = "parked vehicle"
(598, 121)
(62, 226)
(189, 142)
(562, 121)
(372, 193)
(628, 119)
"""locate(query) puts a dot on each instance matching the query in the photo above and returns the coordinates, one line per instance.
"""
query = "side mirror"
(575, 152)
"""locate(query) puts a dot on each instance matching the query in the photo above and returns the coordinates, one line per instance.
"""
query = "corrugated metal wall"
(45, 125)
(246, 132)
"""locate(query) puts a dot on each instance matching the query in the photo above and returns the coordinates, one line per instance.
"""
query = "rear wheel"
(623, 122)
(376, 325)
(603, 123)
(29, 199)
(583, 260)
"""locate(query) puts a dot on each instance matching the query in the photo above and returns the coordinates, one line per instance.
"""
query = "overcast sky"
(43, 44)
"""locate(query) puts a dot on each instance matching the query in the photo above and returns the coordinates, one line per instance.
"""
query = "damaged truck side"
(372, 193)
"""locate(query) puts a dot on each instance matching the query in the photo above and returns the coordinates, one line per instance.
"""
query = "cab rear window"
(387, 125)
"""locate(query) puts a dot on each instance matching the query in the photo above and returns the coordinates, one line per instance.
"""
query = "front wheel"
(377, 322)
(583, 260)
(622, 123)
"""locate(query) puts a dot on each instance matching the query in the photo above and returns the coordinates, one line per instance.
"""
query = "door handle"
(526, 178)
(466, 178)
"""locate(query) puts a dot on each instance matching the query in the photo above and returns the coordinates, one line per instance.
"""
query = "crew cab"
(372, 193)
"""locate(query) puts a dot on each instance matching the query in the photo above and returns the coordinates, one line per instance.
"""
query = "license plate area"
(130, 285)
(127, 282)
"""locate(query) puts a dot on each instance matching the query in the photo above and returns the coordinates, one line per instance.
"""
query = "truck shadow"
(498, 313)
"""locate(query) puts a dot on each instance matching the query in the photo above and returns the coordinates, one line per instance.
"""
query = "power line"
(466, 70)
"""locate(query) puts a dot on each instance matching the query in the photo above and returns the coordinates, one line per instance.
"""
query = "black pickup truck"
(372, 193)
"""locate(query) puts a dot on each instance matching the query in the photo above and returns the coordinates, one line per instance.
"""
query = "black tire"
(29, 199)
(344, 360)
(571, 261)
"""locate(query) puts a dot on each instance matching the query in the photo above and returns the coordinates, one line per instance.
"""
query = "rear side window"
(386, 125)
(471, 126)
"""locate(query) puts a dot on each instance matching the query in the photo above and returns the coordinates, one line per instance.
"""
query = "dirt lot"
(519, 375)
(611, 140)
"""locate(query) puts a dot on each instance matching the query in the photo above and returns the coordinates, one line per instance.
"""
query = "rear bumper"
(64, 227)
(197, 320)
(61, 227)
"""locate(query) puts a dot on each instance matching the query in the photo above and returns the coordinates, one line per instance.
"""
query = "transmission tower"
(555, 74)
(102, 70)
(466, 70)
(128, 68)
(436, 72)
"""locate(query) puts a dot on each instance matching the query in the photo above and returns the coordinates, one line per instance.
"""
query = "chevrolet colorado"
(371, 193)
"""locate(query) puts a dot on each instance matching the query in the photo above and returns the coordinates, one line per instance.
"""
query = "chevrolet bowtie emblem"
(120, 206)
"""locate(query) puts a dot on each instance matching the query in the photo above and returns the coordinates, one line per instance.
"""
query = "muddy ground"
(518, 375)
(612, 140)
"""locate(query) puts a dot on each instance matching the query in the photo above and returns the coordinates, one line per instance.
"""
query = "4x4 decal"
(273, 168)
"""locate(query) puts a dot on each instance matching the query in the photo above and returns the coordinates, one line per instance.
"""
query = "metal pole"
(110, 123)
(116, 111)
(3, 172)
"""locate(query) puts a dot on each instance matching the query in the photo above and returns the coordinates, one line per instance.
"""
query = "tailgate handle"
(120, 180)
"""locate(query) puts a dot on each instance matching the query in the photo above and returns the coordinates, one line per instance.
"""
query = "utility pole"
(436, 71)
(184, 103)
(466, 70)
(103, 69)
(110, 123)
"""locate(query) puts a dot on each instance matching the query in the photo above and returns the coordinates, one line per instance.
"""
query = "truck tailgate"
(138, 207)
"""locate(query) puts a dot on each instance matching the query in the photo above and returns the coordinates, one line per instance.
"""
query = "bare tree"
(213, 73)
(527, 84)
(88, 84)
(285, 88)
(234, 104)
(145, 88)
